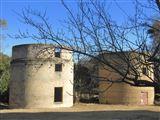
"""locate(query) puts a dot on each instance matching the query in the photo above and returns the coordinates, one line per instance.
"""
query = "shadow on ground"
(3, 106)
(95, 115)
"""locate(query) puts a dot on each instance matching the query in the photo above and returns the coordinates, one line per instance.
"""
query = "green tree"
(4, 76)
(4, 62)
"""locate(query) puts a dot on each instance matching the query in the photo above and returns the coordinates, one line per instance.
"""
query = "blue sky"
(55, 12)
(54, 9)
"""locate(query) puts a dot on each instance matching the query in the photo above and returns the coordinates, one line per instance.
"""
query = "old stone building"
(112, 88)
(41, 77)
(121, 92)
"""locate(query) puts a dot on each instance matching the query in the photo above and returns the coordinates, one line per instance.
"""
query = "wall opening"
(58, 94)
(144, 98)
(144, 71)
(58, 67)
(57, 52)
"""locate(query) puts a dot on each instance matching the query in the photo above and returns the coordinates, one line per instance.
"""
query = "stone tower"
(120, 92)
(41, 77)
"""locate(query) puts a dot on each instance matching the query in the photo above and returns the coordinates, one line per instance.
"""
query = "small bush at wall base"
(4, 97)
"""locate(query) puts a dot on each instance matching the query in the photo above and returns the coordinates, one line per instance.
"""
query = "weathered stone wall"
(122, 93)
(33, 77)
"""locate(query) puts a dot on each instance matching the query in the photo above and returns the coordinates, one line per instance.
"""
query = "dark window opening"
(58, 93)
(145, 71)
(58, 67)
(57, 52)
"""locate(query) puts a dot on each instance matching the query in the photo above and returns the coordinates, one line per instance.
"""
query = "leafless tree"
(91, 33)
(154, 31)
(3, 25)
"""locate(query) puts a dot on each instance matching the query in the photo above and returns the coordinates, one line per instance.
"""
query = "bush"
(4, 97)
(157, 97)
(4, 77)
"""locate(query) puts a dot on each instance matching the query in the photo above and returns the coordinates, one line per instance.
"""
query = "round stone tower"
(41, 77)
(124, 93)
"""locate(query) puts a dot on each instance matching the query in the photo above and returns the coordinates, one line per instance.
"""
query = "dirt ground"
(85, 112)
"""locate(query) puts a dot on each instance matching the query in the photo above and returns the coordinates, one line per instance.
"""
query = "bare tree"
(3, 25)
(154, 31)
(92, 33)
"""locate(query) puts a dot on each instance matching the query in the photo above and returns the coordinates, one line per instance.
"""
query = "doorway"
(144, 98)
(58, 94)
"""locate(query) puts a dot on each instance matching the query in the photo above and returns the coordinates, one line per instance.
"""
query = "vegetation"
(92, 31)
(4, 77)
(84, 86)
(154, 32)
(3, 23)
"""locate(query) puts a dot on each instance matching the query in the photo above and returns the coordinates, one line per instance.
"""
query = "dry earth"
(85, 112)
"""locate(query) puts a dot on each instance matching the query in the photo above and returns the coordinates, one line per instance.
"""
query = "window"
(145, 71)
(57, 52)
(58, 67)
(58, 93)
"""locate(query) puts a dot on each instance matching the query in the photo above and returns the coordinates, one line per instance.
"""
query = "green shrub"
(4, 76)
